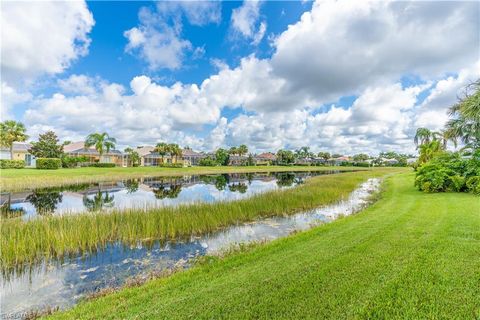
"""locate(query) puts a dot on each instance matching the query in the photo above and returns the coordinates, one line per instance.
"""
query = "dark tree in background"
(47, 146)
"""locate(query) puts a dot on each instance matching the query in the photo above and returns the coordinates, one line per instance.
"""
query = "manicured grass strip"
(409, 256)
(55, 236)
(19, 179)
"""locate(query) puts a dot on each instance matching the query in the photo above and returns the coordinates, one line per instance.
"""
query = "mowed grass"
(409, 256)
(26, 242)
(19, 179)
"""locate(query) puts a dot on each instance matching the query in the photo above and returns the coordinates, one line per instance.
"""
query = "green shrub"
(449, 172)
(72, 162)
(171, 165)
(12, 164)
(432, 177)
(102, 165)
(49, 163)
(473, 184)
(207, 162)
(361, 164)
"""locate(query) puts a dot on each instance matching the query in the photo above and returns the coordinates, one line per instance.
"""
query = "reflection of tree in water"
(239, 187)
(6, 210)
(219, 181)
(44, 202)
(286, 179)
(99, 201)
(131, 186)
(250, 178)
(167, 191)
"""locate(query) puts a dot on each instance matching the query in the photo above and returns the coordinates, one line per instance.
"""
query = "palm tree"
(465, 122)
(10, 132)
(429, 150)
(162, 149)
(233, 151)
(444, 136)
(422, 136)
(175, 150)
(242, 150)
(102, 142)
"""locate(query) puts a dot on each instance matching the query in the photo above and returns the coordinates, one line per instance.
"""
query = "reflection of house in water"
(101, 195)
(13, 198)
(8, 202)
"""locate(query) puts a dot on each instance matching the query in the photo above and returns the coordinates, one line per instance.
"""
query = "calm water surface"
(146, 192)
(64, 284)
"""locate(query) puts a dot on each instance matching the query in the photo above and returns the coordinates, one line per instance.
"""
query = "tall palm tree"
(242, 150)
(175, 150)
(422, 136)
(465, 122)
(162, 149)
(444, 136)
(10, 132)
(233, 151)
(102, 141)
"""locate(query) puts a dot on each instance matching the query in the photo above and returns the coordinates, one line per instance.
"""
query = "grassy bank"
(55, 236)
(409, 256)
(19, 179)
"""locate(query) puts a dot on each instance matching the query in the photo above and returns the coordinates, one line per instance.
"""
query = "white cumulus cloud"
(42, 37)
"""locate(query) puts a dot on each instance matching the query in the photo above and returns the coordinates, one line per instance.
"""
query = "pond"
(146, 192)
(63, 284)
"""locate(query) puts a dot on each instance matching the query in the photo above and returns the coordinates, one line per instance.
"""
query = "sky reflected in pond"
(146, 192)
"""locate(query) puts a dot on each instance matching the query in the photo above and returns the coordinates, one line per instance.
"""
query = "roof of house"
(342, 158)
(236, 157)
(266, 156)
(18, 147)
(73, 146)
(143, 151)
(191, 153)
(388, 160)
(79, 147)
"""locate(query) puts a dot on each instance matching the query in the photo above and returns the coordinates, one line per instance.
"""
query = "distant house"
(20, 152)
(389, 162)
(150, 158)
(192, 158)
(78, 149)
(412, 160)
(338, 161)
(265, 159)
(237, 160)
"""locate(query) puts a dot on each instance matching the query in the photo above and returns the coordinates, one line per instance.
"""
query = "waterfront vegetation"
(14, 180)
(412, 255)
(56, 236)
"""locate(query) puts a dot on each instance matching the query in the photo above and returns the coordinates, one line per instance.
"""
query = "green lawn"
(409, 256)
(18, 179)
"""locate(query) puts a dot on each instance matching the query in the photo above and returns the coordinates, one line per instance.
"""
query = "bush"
(12, 164)
(72, 162)
(450, 172)
(49, 163)
(361, 164)
(207, 162)
(473, 184)
(102, 165)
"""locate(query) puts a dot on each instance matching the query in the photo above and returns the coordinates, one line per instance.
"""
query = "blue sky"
(108, 59)
(342, 76)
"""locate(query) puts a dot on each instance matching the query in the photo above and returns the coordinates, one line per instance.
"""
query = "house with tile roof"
(77, 149)
(20, 151)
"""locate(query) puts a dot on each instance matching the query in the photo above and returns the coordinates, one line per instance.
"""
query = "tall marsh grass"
(28, 242)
